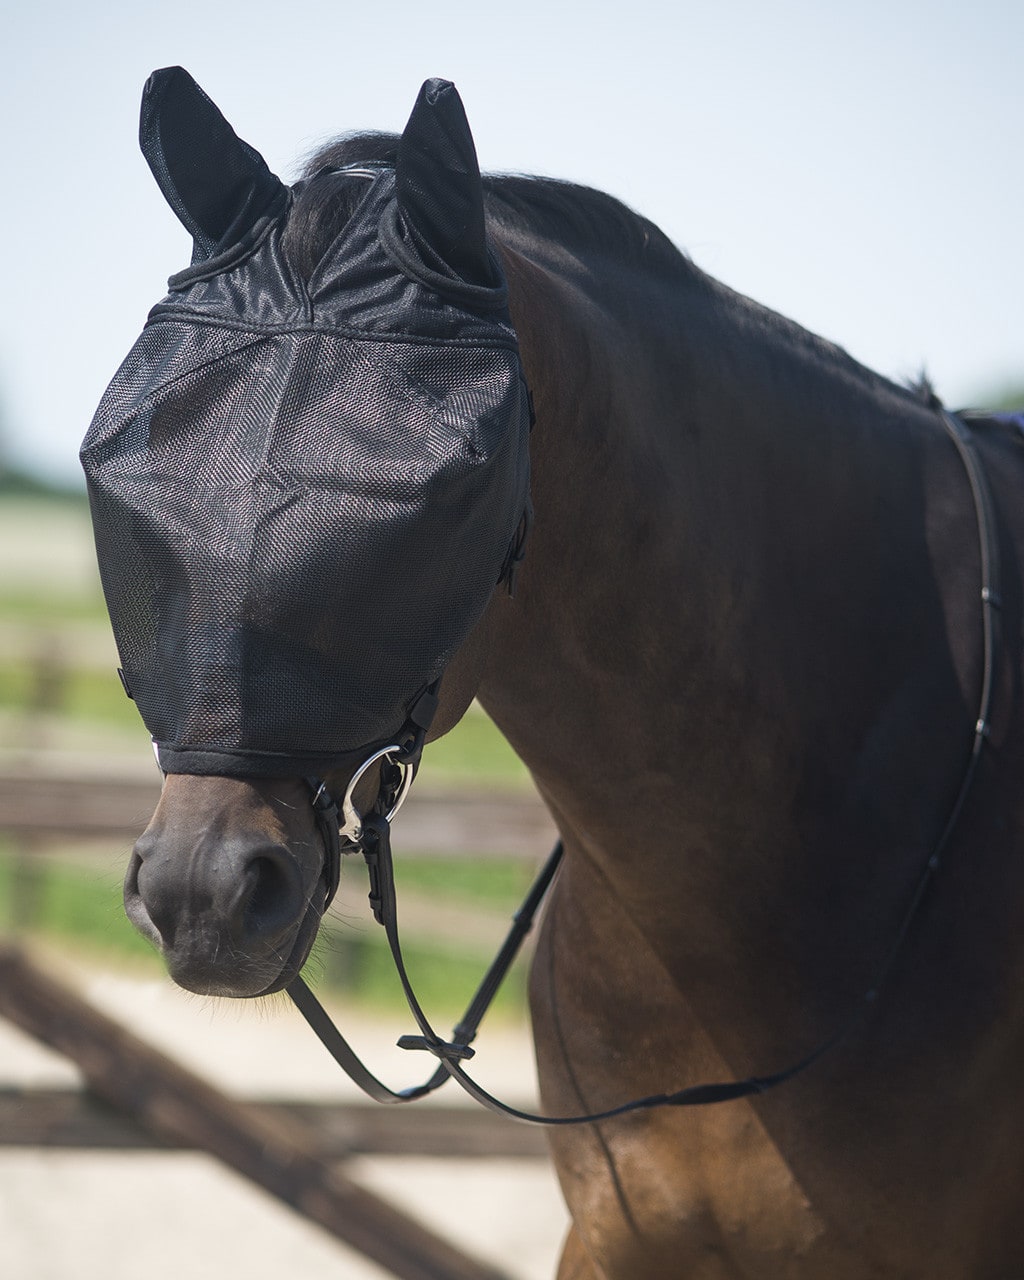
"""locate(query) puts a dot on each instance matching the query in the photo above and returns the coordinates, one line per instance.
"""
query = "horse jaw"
(228, 881)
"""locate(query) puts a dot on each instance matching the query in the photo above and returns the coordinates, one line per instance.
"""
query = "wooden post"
(176, 1105)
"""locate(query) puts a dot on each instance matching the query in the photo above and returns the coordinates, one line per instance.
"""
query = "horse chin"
(305, 936)
(208, 964)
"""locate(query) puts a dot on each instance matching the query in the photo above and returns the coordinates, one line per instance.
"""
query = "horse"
(742, 664)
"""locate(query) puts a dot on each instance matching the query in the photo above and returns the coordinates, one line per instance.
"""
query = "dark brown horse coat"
(742, 664)
(773, 651)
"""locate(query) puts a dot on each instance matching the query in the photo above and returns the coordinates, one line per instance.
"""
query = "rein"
(371, 835)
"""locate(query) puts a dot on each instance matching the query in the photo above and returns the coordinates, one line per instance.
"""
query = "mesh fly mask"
(304, 491)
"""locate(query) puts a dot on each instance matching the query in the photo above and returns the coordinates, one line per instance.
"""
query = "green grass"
(474, 750)
(43, 608)
(358, 964)
(79, 908)
(75, 905)
(494, 882)
(81, 695)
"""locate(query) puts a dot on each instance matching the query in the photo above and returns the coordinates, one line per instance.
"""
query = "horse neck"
(728, 621)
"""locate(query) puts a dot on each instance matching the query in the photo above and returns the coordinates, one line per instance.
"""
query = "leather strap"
(383, 900)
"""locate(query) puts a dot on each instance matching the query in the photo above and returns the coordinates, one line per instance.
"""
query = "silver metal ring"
(351, 825)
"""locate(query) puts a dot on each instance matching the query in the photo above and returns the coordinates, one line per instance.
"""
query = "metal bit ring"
(351, 826)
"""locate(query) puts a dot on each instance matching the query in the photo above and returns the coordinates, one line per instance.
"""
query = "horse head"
(306, 479)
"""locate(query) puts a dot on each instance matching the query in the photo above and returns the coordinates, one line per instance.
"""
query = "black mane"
(575, 216)
(544, 212)
(579, 217)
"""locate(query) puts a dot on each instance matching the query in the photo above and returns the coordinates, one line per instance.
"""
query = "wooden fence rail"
(136, 1097)
(76, 1120)
(39, 805)
(180, 1109)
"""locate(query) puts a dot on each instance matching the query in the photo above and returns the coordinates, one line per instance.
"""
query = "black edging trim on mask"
(215, 760)
(235, 253)
(475, 296)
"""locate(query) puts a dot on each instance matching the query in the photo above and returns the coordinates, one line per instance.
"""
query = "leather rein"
(371, 836)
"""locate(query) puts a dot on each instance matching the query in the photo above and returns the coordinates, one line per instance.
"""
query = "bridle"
(371, 836)
(342, 832)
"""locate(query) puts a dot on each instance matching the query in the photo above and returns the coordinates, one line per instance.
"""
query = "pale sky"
(857, 167)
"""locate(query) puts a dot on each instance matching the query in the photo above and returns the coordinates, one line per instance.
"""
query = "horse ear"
(440, 195)
(217, 184)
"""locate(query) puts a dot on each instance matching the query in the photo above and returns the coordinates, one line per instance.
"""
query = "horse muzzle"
(233, 907)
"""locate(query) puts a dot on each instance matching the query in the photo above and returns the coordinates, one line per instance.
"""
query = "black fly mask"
(305, 491)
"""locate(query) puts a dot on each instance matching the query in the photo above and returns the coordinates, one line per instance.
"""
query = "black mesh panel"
(299, 522)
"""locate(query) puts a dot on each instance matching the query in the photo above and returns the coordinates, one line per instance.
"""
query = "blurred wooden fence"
(39, 804)
(138, 1096)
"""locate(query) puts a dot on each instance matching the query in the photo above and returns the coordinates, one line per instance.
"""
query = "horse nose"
(221, 917)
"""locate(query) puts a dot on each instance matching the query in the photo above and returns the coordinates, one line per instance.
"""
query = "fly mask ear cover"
(303, 494)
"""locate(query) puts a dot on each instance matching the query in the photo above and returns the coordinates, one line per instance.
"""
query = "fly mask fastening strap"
(375, 843)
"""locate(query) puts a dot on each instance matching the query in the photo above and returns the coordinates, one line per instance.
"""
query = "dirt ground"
(74, 1215)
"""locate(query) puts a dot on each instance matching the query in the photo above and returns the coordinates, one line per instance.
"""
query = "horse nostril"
(136, 909)
(272, 900)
